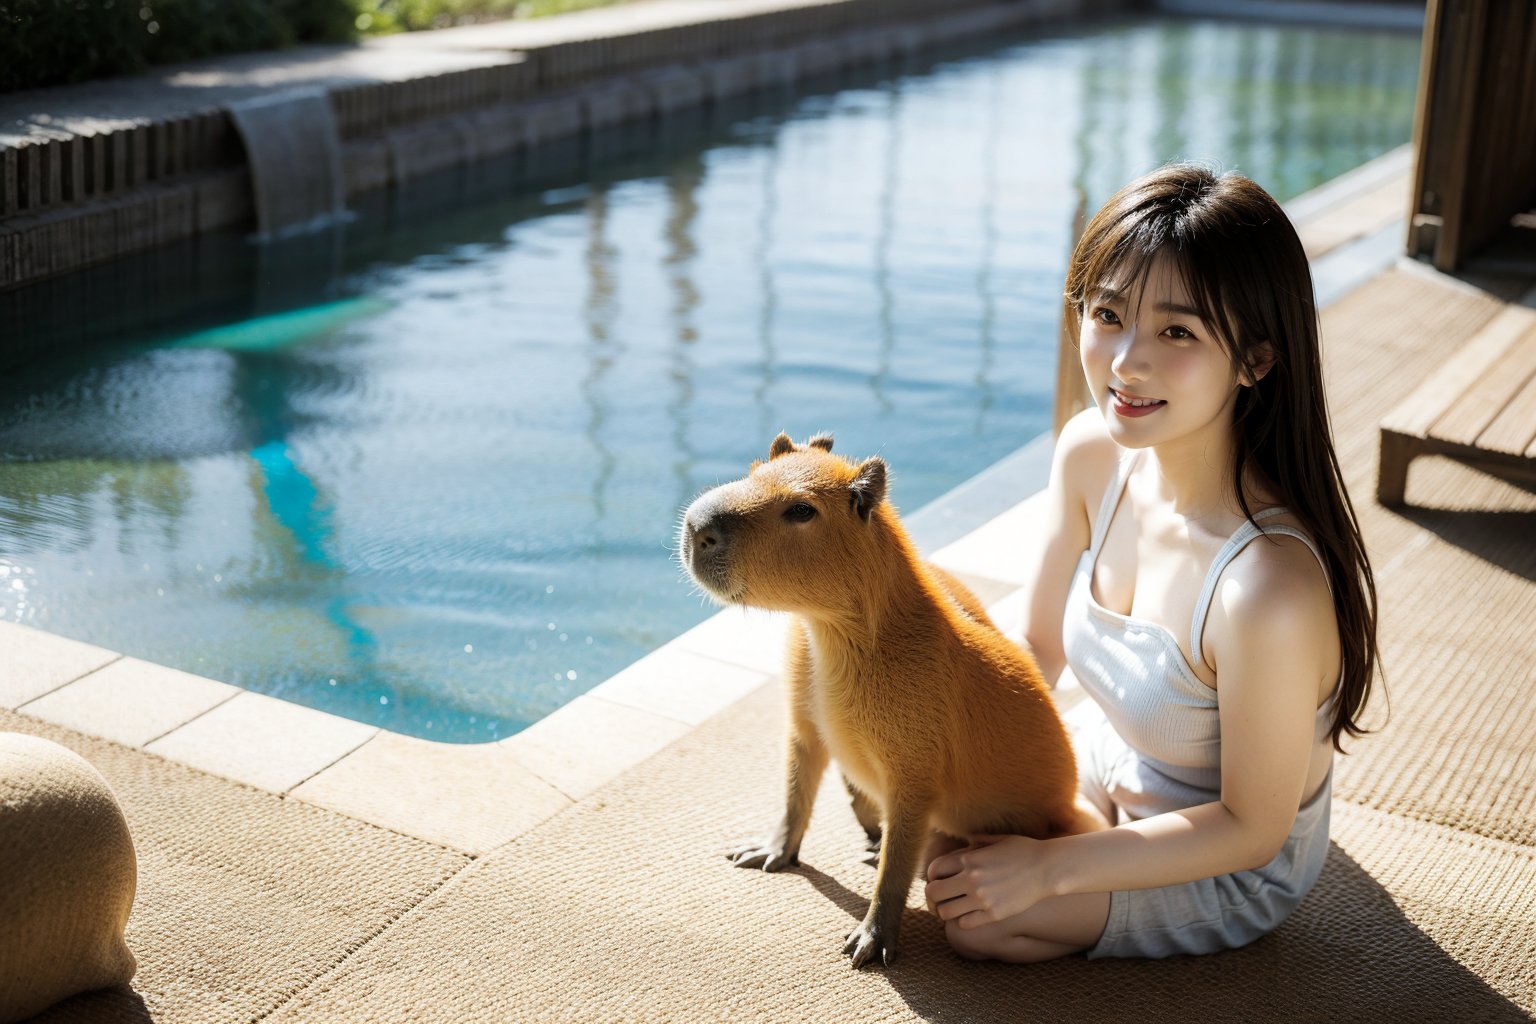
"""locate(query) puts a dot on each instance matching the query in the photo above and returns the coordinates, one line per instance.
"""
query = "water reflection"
(764, 376)
(424, 470)
(987, 230)
(682, 186)
(600, 313)
(885, 220)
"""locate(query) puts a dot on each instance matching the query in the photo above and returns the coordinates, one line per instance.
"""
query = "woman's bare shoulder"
(1278, 576)
(1085, 459)
(1274, 596)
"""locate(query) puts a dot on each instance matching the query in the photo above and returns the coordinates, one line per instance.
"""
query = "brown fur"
(937, 720)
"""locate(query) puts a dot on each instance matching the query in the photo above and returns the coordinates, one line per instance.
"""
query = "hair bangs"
(1122, 262)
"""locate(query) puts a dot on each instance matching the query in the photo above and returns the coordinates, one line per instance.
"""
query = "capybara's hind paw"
(869, 942)
(766, 855)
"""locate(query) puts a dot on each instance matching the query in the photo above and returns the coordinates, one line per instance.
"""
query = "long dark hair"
(1244, 266)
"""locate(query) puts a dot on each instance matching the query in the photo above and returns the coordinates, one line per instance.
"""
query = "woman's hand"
(994, 878)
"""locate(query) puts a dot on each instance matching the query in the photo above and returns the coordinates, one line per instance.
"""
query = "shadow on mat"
(105, 1006)
(1347, 953)
(840, 895)
(1501, 538)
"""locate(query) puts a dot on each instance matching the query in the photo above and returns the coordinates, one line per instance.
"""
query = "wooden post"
(1424, 209)
(1461, 108)
(1476, 161)
(1072, 395)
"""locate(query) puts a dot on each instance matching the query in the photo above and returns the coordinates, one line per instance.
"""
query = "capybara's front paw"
(870, 941)
(765, 854)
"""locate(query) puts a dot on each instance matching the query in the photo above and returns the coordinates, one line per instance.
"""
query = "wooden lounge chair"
(1479, 408)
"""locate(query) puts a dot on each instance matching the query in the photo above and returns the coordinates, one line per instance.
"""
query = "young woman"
(1202, 576)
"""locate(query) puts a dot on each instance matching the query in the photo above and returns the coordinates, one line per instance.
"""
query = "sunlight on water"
(424, 471)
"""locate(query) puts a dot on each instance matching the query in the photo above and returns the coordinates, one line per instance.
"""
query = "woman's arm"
(1275, 641)
(1082, 463)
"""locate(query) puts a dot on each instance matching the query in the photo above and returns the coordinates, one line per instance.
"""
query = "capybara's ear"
(822, 441)
(868, 488)
(782, 445)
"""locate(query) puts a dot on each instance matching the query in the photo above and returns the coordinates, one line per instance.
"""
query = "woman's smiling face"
(1158, 371)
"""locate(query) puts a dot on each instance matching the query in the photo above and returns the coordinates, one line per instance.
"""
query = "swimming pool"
(424, 471)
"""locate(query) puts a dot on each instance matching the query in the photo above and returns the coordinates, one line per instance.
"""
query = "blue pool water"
(425, 471)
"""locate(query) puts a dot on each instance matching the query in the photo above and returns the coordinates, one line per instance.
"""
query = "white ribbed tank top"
(1133, 668)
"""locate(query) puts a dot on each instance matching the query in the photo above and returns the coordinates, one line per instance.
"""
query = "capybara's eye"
(800, 512)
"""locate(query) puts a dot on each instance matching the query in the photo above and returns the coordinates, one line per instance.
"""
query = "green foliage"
(47, 41)
(540, 8)
(185, 29)
(320, 21)
(50, 42)
(381, 17)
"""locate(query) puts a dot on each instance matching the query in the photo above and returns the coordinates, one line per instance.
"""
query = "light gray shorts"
(1211, 914)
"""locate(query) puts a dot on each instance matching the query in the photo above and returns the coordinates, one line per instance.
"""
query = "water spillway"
(294, 153)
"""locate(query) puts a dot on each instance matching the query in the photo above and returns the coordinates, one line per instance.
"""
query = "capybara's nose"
(704, 533)
(706, 530)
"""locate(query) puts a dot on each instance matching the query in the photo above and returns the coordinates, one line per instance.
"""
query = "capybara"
(938, 721)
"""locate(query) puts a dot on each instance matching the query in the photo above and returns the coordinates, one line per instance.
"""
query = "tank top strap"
(1123, 466)
(1244, 535)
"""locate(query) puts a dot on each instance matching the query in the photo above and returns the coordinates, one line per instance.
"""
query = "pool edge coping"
(417, 787)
